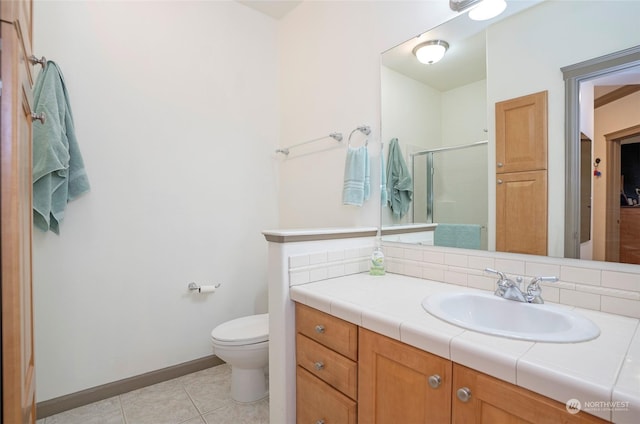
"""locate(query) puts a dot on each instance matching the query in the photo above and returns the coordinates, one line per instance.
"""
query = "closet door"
(521, 133)
(521, 212)
(18, 383)
(521, 175)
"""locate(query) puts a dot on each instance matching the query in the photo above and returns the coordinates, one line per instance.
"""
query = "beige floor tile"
(163, 403)
(106, 411)
(203, 397)
(209, 389)
(197, 420)
(240, 413)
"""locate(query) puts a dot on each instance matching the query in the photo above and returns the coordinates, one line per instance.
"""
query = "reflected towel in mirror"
(466, 236)
(399, 182)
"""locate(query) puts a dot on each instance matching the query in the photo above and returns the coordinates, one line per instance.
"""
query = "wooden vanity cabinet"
(399, 383)
(485, 399)
(346, 374)
(326, 368)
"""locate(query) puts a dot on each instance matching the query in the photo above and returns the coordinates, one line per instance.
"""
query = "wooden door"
(494, 401)
(521, 133)
(18, 379)
(393, 383)
(521, 212)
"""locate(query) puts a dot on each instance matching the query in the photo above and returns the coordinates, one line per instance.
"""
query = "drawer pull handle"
(320, 329)
(319, 366)
(499, 181)
(464, 394)
(435, 381)
(500, 164)
(320, 422)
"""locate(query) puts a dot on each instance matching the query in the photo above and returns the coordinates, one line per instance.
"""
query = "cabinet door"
(495, 401)
(521, 212)
(521, 133)
(393, 383)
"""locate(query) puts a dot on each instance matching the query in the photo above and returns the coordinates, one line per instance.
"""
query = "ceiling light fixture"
(487, 9)
(430, 51)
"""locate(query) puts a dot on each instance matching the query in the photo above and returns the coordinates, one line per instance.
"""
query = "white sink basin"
(490, 314)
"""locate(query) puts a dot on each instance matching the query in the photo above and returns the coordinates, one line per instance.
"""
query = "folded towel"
(384, 193)
(399, 182)
(58, 169)
(465, 236)
(357, 179)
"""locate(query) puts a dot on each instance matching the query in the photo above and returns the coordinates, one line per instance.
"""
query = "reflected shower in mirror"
(452, 103)
(450, 187)
(438, 112)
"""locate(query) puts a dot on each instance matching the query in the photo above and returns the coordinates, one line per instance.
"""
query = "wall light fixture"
(480, 10)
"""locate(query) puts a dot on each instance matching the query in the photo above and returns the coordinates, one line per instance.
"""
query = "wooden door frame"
(574, 75)
(612, 180)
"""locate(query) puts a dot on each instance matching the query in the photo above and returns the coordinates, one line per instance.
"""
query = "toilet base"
(248, 385)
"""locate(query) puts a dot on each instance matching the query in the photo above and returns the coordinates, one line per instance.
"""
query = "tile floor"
(199, 398)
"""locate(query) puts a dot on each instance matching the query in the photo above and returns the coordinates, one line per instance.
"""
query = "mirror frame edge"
(573, 76)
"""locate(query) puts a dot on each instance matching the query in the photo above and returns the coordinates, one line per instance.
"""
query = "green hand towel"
(58, 169)
(357, 177)
(399, 182)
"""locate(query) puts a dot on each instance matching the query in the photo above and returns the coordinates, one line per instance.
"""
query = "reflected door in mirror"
(521, 174)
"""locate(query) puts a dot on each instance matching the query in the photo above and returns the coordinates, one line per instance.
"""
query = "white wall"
(330, 79)
(176, 112)
(525, 55)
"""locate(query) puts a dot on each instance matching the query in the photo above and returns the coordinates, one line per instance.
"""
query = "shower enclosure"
(450, 186)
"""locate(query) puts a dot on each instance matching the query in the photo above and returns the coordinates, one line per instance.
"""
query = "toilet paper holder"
(202, 289)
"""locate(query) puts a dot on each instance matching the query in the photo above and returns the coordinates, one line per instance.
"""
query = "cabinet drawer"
(317, 402)
(330, 331)
(329, 366)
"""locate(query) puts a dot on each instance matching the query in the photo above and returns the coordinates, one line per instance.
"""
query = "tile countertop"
(603, 374)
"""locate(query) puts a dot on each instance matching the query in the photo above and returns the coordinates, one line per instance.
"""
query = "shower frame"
(430, 170)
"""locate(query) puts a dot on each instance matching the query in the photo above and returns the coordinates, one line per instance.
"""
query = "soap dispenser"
(377, 260)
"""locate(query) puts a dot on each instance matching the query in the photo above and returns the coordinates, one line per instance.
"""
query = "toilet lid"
(245, 330)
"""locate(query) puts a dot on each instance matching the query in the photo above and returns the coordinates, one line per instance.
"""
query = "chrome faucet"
(510, 290)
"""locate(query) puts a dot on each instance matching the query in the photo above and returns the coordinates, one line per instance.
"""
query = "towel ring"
(364, 129)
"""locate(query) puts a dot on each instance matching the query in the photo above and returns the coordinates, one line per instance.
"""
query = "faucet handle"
(534, 290)
(536, 280)
(500, 274)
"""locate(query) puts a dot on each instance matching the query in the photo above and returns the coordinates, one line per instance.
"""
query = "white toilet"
(243, 343)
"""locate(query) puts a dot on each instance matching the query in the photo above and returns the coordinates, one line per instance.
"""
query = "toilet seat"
(242, 331)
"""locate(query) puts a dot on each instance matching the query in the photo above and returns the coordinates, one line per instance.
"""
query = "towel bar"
(364, 129)
(335, 135)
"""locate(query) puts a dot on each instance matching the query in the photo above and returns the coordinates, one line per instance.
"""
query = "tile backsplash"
(600, 286)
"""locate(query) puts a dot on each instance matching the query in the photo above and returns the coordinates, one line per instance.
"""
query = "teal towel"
(357, 178)
(58, 169)
(399, 182)
(466, 236)
(384, 194)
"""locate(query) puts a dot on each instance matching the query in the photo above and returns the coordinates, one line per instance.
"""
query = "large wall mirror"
(443, 116)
